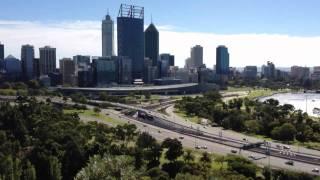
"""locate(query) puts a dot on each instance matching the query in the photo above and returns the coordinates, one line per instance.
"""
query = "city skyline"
(72, 37)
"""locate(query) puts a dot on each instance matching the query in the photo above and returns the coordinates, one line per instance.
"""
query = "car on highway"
(286, 147)
(144, 125)
(316, 170)
(234, 151)
(291, 163)
(181, 137)
(198, 147)
(159, 131)
(251, 157)
(204, 147)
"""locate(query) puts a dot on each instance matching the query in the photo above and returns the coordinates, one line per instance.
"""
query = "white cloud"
(84, 37)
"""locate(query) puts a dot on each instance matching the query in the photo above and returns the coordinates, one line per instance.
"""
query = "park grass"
(255, 92)
(8, 92)
(92, 114)
(194, 119)
(138, 99)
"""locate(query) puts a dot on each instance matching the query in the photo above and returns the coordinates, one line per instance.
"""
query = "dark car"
(291, 163)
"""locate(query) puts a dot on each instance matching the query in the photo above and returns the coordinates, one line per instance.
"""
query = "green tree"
(252, 126)
(97, 110)
(286, 132)
(103, 96)
(29, 172)
(241, 166)
(157, 174)
(187, 177)
(174, 148)
(54, 168)
(188, 156)
(147, 95)
(108, 167)
(145, 140)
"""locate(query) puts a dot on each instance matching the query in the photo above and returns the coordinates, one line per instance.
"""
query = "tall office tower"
(151, 40)
(1, 51)
(81, 63)
(47, 62)
(196, 56)
(67, 69)
(187, 64)
(12, 67)
(130, 23)
(222, 60)
(171, 60)
(164, 65)
(107, 36)
(83, 70)
(27, 60)
(36, 67)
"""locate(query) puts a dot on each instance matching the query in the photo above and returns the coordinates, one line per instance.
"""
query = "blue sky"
(292, 17)
(286, 32)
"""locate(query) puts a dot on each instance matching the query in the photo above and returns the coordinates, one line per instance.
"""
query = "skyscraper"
(27, 60)
(130, 23)
(107, 36)
(67, 69)
(222, 60)
(47, 62)
(151, 39)
(1, 51)
(196, 56)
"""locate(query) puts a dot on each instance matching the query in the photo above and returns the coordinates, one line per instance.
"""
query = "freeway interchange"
(161, 126)
(278, 157)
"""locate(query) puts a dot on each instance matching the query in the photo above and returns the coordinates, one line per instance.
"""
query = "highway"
(162, 127)
(278, 158)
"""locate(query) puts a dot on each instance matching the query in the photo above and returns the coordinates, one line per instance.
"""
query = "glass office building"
(222, 60)
(130, 35)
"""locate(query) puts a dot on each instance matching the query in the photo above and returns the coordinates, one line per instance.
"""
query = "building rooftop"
(131, 11)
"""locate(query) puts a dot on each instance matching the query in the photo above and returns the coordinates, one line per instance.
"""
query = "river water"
(303, 101)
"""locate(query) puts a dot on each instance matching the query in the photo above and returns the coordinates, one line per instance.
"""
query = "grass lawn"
(255, 92)
(12, 92)
(194, 119)
(92, 114)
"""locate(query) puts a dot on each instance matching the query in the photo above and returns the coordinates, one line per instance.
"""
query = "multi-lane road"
(191, 136)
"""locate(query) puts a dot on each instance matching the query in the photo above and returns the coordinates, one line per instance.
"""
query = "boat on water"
(316, 111)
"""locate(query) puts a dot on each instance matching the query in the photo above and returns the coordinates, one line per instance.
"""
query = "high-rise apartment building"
(151, 39)
(27, 61)
(130, 35)
(196, 56)
(222, 60)
(107, 36)
(47, 62)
